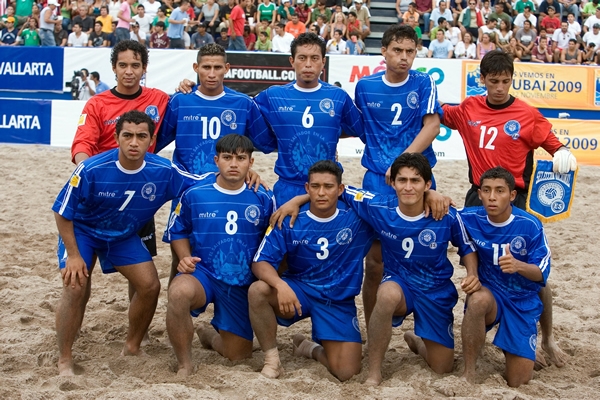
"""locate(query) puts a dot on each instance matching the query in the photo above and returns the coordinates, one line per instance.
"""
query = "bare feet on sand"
(66, 368)
(555, 355)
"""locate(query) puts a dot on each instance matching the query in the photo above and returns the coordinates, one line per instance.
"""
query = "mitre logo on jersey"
(208, 214)
(152, 112)
(518, 246)
(326, 105)
(285, 108)
(512, 129)
(427, 238)
(388, 235)
(344, 236)
(149, 191)
(228, 118)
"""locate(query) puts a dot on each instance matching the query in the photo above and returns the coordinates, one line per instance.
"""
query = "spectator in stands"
(499, 14)
(571, 55)
(411, 12)
(440, 11)
(29, 33)
(543, 8)
(526, 15)
(161, 16)
(574, 26)
(412, 22)
(323, 27)
(590, 57)
(514, 49)
(506, 7)
(285, 12)
(424, 9)
(10, 12)
(485, 45)
(490, 28)
(151, 7)
(60, 36)
(124, 20)
(338, 10)
(520, 5)
(457, 7)
(263, 43)
(441, 26)
(339, 23)
(550, 22)
(422, 51)
(336, 45)
(112, 37)
(452, 33)
(144, 21)
(100, 86)
(303, 12)
(541, 53)
(87, 87)
(236, 27)
(569, 6)
(209, 14)
(543, 34)
(201, 38)
(282, 40)
(591, 21)
(77, 38)
(224, 12)
(503, 35)
(83, 19)
(223, 39)
(267, 11)
(295, 27)
(9, 33)
(106, 20)
(526, 37)
(159, 38)
(353, 24)
(440, 47)
(47, 23)
(471, 19)
(97, 38)
(560, 40)
(113, 8)
(355, 46)
(589, 9)
(264, 26)
(136, 34)
(250, 14)
(466, 49)
(250, 38)
(364, 16)
(486, 10)
(177, 22)
(321, 9)
(22, 11)
(593, 36)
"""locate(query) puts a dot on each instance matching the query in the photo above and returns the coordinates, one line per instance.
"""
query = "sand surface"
(30, 179)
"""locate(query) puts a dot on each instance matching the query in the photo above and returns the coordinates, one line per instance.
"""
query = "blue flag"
(550, 194)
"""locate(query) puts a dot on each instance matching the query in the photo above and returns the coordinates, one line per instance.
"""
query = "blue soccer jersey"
(196, 122)
(224, 228)
(307, 124)
(393, 116)
(414, 248)
(525, 235)
(326, 254)
(109, 202)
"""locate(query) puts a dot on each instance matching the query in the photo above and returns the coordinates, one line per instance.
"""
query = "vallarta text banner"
(25, 69)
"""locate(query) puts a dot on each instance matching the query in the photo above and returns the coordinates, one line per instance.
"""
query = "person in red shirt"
(295, 27)
(550, 22)
(353, 25)
(237, 19)
(500, 130)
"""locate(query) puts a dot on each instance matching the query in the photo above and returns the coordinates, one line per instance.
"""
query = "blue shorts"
(517, 324)
(432, 311)
(111, 254)
(336, 321)
(284, 191)
(231, 305)
(375, 183)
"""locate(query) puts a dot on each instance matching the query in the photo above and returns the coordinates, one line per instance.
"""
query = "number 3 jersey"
(307, 124)
(224, 227)
(196, 122)
(504, 135)
(524, 234)
(108, 202)
(413, 248)
(324, 253)
(393, 116)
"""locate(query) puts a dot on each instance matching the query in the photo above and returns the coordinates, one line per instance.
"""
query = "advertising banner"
(582, 137)
(27, 69)
(25, 121)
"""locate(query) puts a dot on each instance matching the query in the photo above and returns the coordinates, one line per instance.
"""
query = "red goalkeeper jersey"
(97, 123)
(504, 135)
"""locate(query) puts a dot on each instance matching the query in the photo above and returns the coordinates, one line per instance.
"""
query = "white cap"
(53, 3)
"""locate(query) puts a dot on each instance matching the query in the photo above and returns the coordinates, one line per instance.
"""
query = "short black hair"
(78, 24)
(308, 38)
(96, 75)
(497, 62)
(138, 49)
(161, 24)
(498, 173)
(328, 167)
(235, 144)
(99, 22)
(397, 33)
(353, 14)
(211, 49)
(416, 161)
(141, 5)
(105, 7)
(135, 117)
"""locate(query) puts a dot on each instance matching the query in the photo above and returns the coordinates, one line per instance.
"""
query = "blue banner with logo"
(550, 194)
(31, 68)
(25, 121)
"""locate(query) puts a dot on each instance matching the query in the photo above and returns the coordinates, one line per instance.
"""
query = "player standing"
(217, 228)
(501, 130)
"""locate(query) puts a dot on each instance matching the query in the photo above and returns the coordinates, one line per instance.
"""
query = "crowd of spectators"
(252, 25)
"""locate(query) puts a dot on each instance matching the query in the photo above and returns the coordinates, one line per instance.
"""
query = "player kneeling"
(514, 264)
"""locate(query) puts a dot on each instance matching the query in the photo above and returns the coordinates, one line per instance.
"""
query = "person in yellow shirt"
(106, 20)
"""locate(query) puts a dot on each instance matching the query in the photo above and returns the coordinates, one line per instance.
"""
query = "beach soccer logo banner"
(550, 194)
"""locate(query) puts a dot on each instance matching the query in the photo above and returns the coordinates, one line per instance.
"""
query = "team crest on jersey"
(326, 105)
(228, 118)
(533, 342)
(344, 236)
(512, 129)
(518, 246)
(552, 194)
(427, 238)
(252, 214)
(82, 119)
(149, 191)
(152, 112)
(356, 324)
(75, 181)
(413, 100)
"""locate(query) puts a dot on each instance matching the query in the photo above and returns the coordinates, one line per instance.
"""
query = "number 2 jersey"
(108, 202)
(307, 124)
(413, 248)
(525, 235)
(326, 254)
(224, 227)
(503, 135)
(196, 122)
(393, 116)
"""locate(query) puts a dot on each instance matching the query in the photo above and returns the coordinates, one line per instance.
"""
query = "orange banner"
(580, 136)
